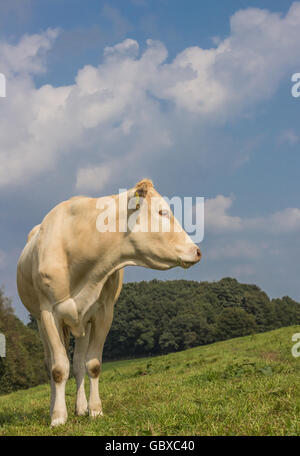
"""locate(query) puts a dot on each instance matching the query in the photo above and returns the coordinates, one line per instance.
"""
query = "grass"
(243, 386)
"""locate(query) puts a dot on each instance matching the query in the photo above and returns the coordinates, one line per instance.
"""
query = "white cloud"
(93, 178)
(244, 68)
(284, 221)
(28, 56)
(106, 112)
(216, 215)
(113, 117)
(218, 220)
(128, 47)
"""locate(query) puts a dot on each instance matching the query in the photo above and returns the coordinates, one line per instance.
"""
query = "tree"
(235, 322)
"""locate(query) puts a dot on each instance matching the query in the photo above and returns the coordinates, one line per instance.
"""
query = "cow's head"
(154, 238)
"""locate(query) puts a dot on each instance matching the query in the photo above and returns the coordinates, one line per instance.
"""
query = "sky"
(194, 95)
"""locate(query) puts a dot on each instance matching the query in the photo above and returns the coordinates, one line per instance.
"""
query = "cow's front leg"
(99, 330)
(94, 406)
(53, 331)
(81, 346)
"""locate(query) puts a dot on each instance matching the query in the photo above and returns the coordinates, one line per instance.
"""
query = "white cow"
(70, 275)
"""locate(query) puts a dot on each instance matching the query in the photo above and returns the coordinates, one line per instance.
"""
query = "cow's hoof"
(81, 411)
(95, 413)
(58, 418)
(58, 421)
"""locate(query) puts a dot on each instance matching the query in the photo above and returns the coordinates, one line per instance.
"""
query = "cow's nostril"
(198, 253)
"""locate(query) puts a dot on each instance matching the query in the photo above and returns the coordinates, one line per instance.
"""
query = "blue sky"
(195, 95)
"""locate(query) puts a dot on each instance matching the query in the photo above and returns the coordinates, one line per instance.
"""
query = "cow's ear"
(138, 193)
(142, 187)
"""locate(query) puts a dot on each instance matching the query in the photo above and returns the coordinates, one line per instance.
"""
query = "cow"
(70, 275)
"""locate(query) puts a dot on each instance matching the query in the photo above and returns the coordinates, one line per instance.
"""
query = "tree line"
(158, 317)
(153, 318)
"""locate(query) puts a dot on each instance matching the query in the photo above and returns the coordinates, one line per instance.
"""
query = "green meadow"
(243, 386)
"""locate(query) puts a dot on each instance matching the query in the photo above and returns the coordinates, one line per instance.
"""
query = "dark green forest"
(153, 318)
(159, 317)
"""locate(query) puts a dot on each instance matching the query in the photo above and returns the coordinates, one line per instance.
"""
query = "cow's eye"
(163, 213)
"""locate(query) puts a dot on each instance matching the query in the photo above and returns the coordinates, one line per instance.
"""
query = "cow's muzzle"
(195, 258)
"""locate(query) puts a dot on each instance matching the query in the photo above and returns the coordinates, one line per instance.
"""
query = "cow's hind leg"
(48, 364)
(81, 346)
(55, 336)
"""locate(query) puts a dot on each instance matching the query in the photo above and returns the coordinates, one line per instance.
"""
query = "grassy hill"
(243, 386)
